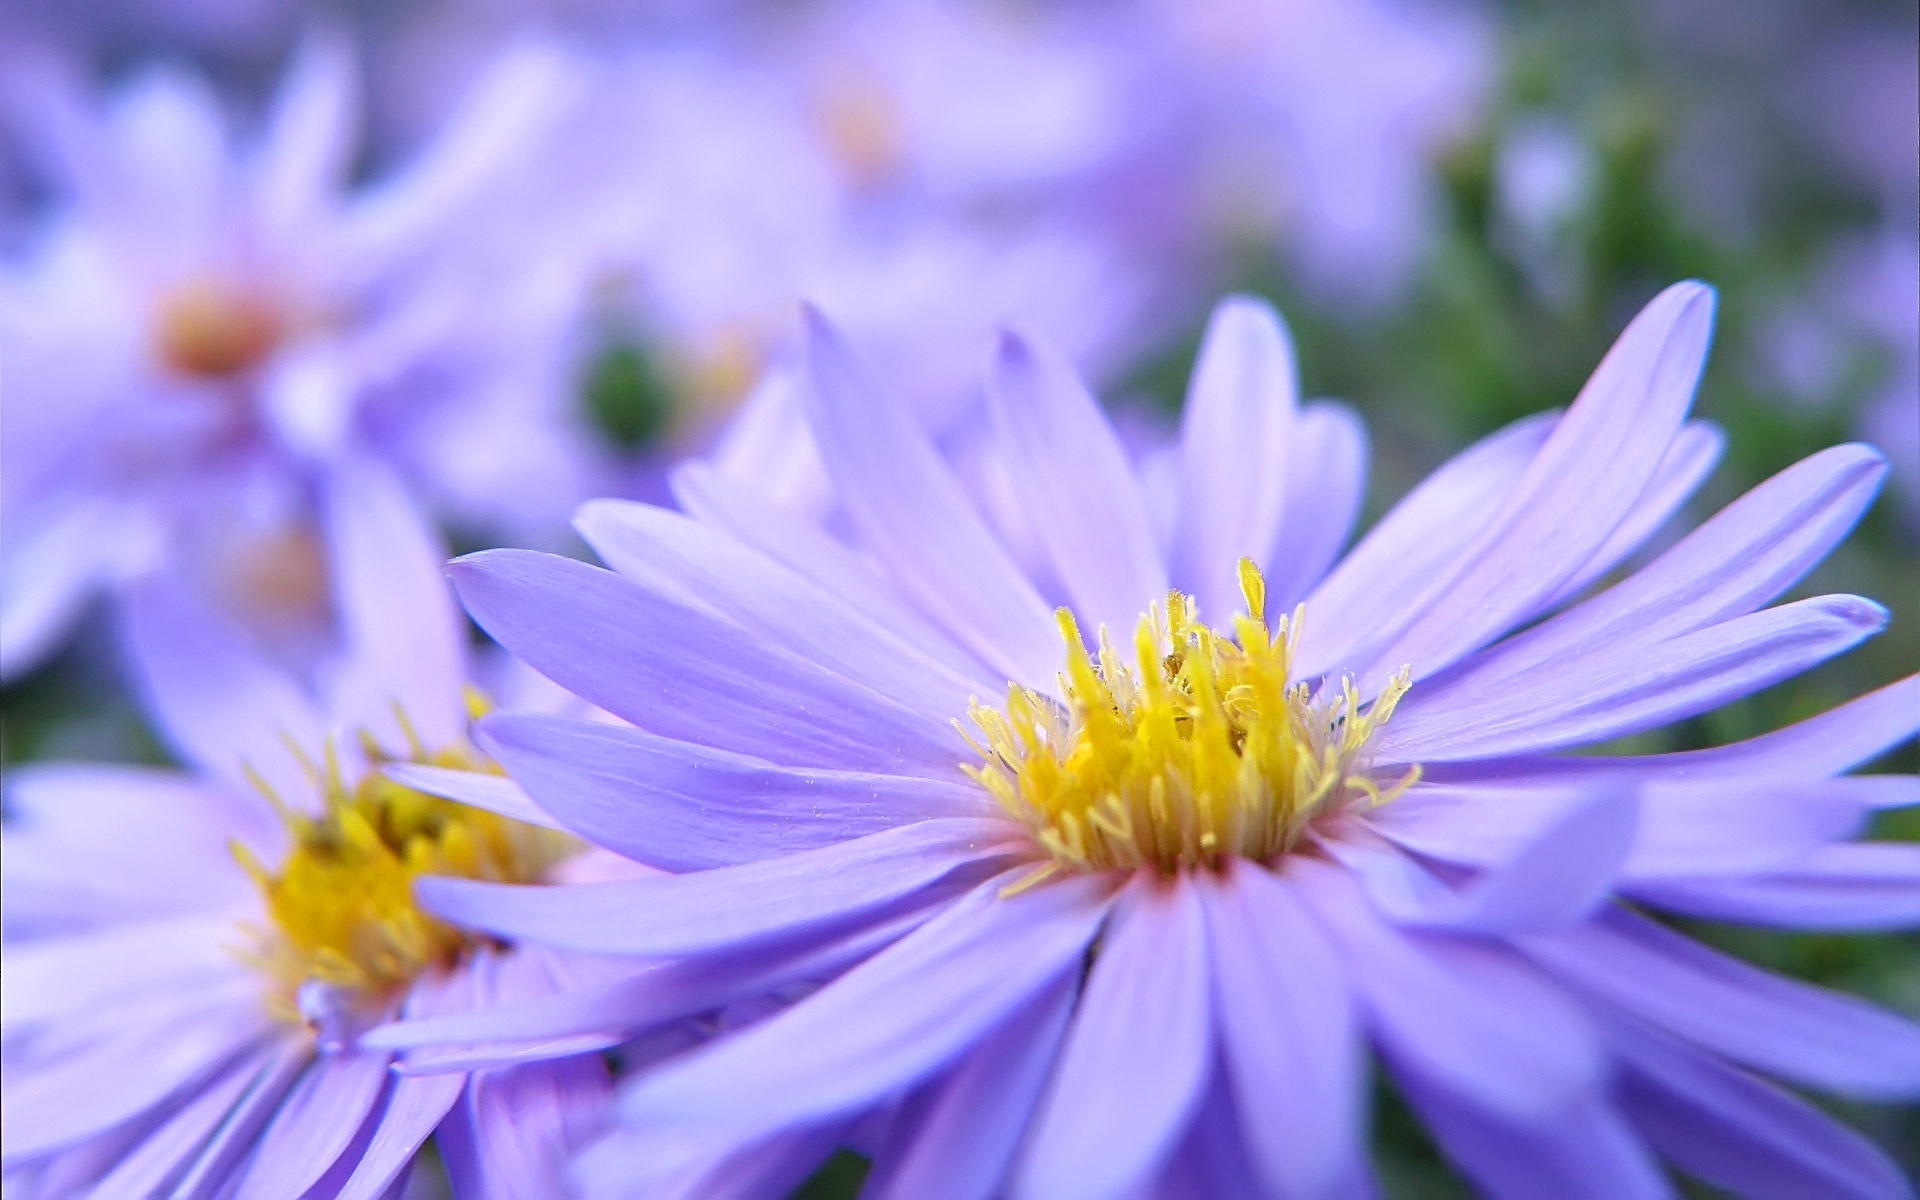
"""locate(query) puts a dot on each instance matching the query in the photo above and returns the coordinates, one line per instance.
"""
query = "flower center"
(1199, 751)
(343, 918)
(213, 328)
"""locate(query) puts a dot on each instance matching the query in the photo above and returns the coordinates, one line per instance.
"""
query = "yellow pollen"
(1199, 751)
(341, 904)
(214, 329)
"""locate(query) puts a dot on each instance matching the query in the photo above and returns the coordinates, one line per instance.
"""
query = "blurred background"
(530, 252)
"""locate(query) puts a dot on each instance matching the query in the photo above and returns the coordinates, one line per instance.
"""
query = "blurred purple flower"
(207, 326)
(1193, 872)
(174, 1028)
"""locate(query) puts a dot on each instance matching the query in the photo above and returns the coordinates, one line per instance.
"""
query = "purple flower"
(191, 957)
(209, 323)
(1247, 808)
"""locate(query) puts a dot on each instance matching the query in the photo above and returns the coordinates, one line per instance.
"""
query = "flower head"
(1138, 923)
(192, 958)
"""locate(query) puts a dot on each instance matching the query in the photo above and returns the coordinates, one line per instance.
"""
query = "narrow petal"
(1740, 1133)
(316, 1123)
(149, 1061)
(166, 1152)
(1560, 877)
(1695, 451)
(648, 999)
(1833, 742)
(1289, 1036)
(728, 907)
(1743, 558)
(916, 518)
(219, 702)
(959, 1140)
(479, 789)
(671, 553)
(1684, 830)
(1326, 484)
(93, 843)
(1583, 1151)
(415, 1104)
(52, 571)
(55, 976)
(310, 137)
(1870, 887)
(215, 1170)
(686, 674)
(1142, 1031)
(1821, 1038)
(683, 807)
(1574, 494)
(890, 1022)
(1619, 689)
(811, 551)
(406, 640)
(1461, 1013)
(1090, 517)
(1399, 557)
(1235, 435)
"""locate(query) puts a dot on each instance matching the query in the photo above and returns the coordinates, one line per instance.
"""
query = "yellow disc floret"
(341, 904)
(1198, 751)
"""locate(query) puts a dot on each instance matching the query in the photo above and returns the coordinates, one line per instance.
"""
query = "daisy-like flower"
(1118, 833)
(190, 957)
(211, 320)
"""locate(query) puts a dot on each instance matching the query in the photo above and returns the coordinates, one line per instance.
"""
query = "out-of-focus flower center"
(343, 917)
(1198, 751)
(861, 125)
(214, 328)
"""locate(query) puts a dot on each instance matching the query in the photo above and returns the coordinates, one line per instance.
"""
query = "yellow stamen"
(1199, 751)
(341, 904)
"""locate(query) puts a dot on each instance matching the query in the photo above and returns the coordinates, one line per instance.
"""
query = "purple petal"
(1213, 1161)
(888, 1023)
(1235, 439)
(1740, 1133)
(280, 1067)
(1743, 558)
(1833, 742)
(406, 639)
(1142, 1032)
(1618, 689)
(478, 789)
(1689, 460)
(807, 549)
(415, 1104)
(727, 907)
(623, 1164)
(650, 997)
(316, 1123)
(87, 844)
(1574, 494)
(1288, 1035)
(959, 1139)
(1461, 1013)
(1867, 888)
(686, 674)
(1091, 519)
(309, 142)
(1684, 829)
(1326, 480)
(915, 517)
(684, 807)
(219, 702)
(166, 1152)
(1559, 877)
(1582, 1151)
(1424, 533)
(147, 1061)
(53, 977)
(670, 553)
(1777, 1025)
(52, 571)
